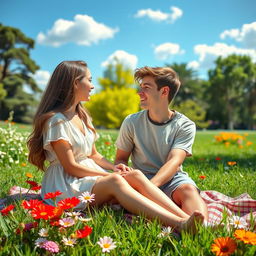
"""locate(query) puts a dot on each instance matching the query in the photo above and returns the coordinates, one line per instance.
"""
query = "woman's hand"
(122, 169)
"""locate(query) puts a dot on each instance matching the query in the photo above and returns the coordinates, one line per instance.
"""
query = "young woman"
(64, 136)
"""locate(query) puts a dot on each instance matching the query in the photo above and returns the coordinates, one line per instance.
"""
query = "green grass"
(141, 236)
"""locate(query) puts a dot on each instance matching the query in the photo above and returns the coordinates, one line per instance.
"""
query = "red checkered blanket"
(243, 206)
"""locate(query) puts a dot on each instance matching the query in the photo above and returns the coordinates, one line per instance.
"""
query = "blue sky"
(137, 32)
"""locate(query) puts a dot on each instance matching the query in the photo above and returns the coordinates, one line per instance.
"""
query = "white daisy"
(106, 243)
(43, 232)
(87, 197)
(165, 231)
(69, 241)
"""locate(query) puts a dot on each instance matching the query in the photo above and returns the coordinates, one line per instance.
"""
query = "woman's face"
(84, 86)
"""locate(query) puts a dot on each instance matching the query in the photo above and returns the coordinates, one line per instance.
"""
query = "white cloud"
(246, 35)
(167, 50)
(83, 30)
(208, 54)
(127, 59)
(160, 16)
(42, 77)
(193, 64)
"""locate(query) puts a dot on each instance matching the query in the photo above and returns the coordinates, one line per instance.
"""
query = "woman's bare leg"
(145, 187)
(114, 186)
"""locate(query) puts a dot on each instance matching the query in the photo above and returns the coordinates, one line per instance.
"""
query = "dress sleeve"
(56, 129)
(125, 136)
(185, 138)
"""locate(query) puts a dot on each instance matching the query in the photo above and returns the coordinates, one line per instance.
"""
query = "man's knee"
(184, 192)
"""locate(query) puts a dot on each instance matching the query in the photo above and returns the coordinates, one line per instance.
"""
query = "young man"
(159, 139)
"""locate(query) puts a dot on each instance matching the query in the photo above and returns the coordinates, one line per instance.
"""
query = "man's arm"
(122, 157)
(169, 169)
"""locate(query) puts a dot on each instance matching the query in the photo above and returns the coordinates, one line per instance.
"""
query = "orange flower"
(202, 177)
(223, 246)
(28, 174)
(240, 146)
(108, 143)
(247, 237)
(232, 163)
(248, 143)
(23, 165)
(227, 144)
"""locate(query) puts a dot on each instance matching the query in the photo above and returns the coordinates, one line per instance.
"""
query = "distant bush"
(109, 107)
(194, 112)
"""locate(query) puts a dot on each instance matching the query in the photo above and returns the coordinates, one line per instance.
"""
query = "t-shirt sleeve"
(125, 137)
(185, 137)
(56, 129)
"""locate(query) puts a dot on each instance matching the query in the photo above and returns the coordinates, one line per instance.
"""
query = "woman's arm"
(64, 152)
(100, 160)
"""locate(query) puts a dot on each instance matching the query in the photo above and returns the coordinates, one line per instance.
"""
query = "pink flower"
(50, 246)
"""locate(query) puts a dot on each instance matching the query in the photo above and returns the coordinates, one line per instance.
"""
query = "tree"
(232, 82)
(116, 76)
(191, 87)
(16, 69)
(190, 100)
(117, 98)
(109, 107)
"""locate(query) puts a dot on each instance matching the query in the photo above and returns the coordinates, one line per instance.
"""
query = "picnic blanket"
(243, 206)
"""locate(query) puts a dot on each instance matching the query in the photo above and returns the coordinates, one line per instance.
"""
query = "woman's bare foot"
(191, 223)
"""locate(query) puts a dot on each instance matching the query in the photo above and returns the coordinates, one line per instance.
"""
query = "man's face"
(149, 95)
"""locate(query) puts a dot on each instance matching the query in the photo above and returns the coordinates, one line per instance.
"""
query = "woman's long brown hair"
(58, 97)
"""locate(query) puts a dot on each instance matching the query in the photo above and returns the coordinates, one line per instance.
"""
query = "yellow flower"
(223, 246)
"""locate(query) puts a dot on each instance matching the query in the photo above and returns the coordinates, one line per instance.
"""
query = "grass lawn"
(211, 159)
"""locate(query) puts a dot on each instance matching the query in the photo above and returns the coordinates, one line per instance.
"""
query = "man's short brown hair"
(163, 76)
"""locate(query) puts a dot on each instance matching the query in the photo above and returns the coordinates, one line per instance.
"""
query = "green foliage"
(194, 112)
(232, 91)
(16, 68)
(109, 107)
(116, 76)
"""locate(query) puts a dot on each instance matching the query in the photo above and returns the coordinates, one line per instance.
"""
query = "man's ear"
(165, 91)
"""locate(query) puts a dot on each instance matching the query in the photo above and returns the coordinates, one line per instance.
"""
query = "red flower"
(31, 204)
(7, 209)
(218, 158)
(202, 177)
(32, 183)
(43, 211)
(52, 194)
(107, 143)
(86, 231)
(36, 188)
(68, 203)
(57, 212)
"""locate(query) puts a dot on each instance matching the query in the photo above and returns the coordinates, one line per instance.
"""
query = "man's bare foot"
(191, 223)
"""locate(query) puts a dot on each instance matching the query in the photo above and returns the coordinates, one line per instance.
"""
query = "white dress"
(55, 178)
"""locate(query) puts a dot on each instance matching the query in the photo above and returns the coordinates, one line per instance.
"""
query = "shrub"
(109, 107)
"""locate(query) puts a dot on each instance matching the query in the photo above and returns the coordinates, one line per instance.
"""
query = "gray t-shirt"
(150, 143)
